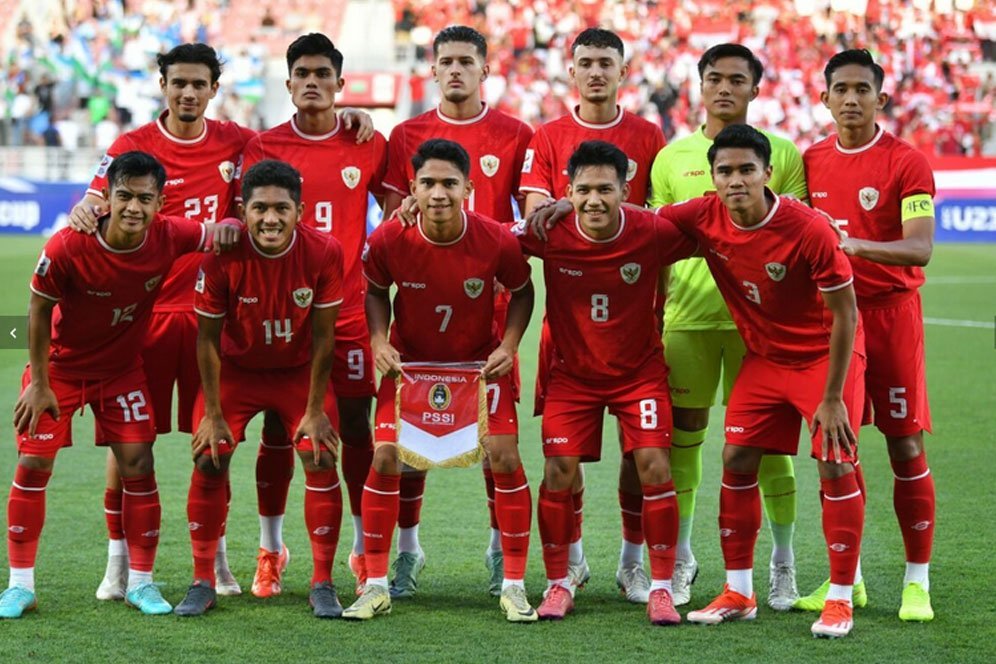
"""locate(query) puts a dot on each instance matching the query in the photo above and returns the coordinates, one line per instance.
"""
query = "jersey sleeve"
(522, 141)
(537, 165)
(683, 215)
(98, 183)
(329, 285)
(51, 274)
(188, 236)
(396, 172)
(529, 244)
(828, 264)
(375, 268)
(794, 181)
(672, 244)
(252, 154)
(211, 288)
(915, 175)
(380, 150)
(513, 270)
(660, 183)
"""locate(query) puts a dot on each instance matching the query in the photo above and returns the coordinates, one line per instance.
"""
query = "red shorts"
(121, 410)
(247, 392)
(170, 357)
(574, 409)
(543, 365)
(769, 402)
(502, 419)
(353, 368)
(896, 379)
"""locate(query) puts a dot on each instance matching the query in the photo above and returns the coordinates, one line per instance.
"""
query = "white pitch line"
(951, 322)
(960, 280)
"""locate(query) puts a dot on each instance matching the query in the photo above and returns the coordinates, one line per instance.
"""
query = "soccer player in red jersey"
(200, 157)
(265, 341)
(879, 190)
(497, 144)
(597, 68)
(91, 303)
(439, 319)
(789, 288)
(339, 175)
(600, 268)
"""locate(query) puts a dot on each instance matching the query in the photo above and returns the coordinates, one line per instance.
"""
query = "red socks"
(631, 507)
(207, 509)
(556, 525)
(380, 513)
(356, 458)
(410, 508)
(322, 516)
(660, 523)
(489, 488)
(913, 499)
(514, 509)
(739, 519)
(274, 470)
(112, 514)
(577, 500)
(843, 518)
(141, 515)
(25, 515)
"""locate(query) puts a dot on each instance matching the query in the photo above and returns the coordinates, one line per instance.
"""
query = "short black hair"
(854, 56)
(314, 43)
(196, 54)
(272, 173)
(741, 136)
(135, 164)
(598, 153)
(598, 38)
(461, 34)
(720, 51)
(439, 148)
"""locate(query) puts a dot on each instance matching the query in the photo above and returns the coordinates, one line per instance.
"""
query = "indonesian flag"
(441, 414)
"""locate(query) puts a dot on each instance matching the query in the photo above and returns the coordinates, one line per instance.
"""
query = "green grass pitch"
(454, 619)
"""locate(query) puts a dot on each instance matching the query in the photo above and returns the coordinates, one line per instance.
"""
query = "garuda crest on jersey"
(302, 297)
(351, 176)
(868, 197)
(152, 283)
(630, 272)
(440, 397)
(630, 170)
(473, 287)
(490, 164)
(227, 170)
(775, 270)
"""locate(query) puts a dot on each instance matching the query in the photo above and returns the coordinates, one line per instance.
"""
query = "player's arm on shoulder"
(831, 415)
(38, 397)
(84, 215)
(361, 120)
(315, 424)
(222, 236)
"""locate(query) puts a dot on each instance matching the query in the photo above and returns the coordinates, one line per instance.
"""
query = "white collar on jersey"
(592, 125)
(283, 253)
(768, 217)
(182, 141)
(861, 148)
(315, 137)
(463, 231)
(145, 238)
(453, 121)
(622, 225)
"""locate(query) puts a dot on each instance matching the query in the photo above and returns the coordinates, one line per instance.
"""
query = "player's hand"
(407, 212)
(83, 217)
(835, 428)
(209, 436)
(387, 359)
(226, 235)
(848, 245)
(318, 429)
(546, 215)
(499, 363)
(31, 405)
(352, 117)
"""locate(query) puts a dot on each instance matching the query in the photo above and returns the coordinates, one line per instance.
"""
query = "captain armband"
(917, 205)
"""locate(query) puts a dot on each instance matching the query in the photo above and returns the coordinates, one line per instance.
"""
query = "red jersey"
(600, 293)
(496, 143)
(545, 167)
(337, 176)
(864, 189)
(444, 307)
(105, 296)
(266, 300)
(200, 185)
(770, 274)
